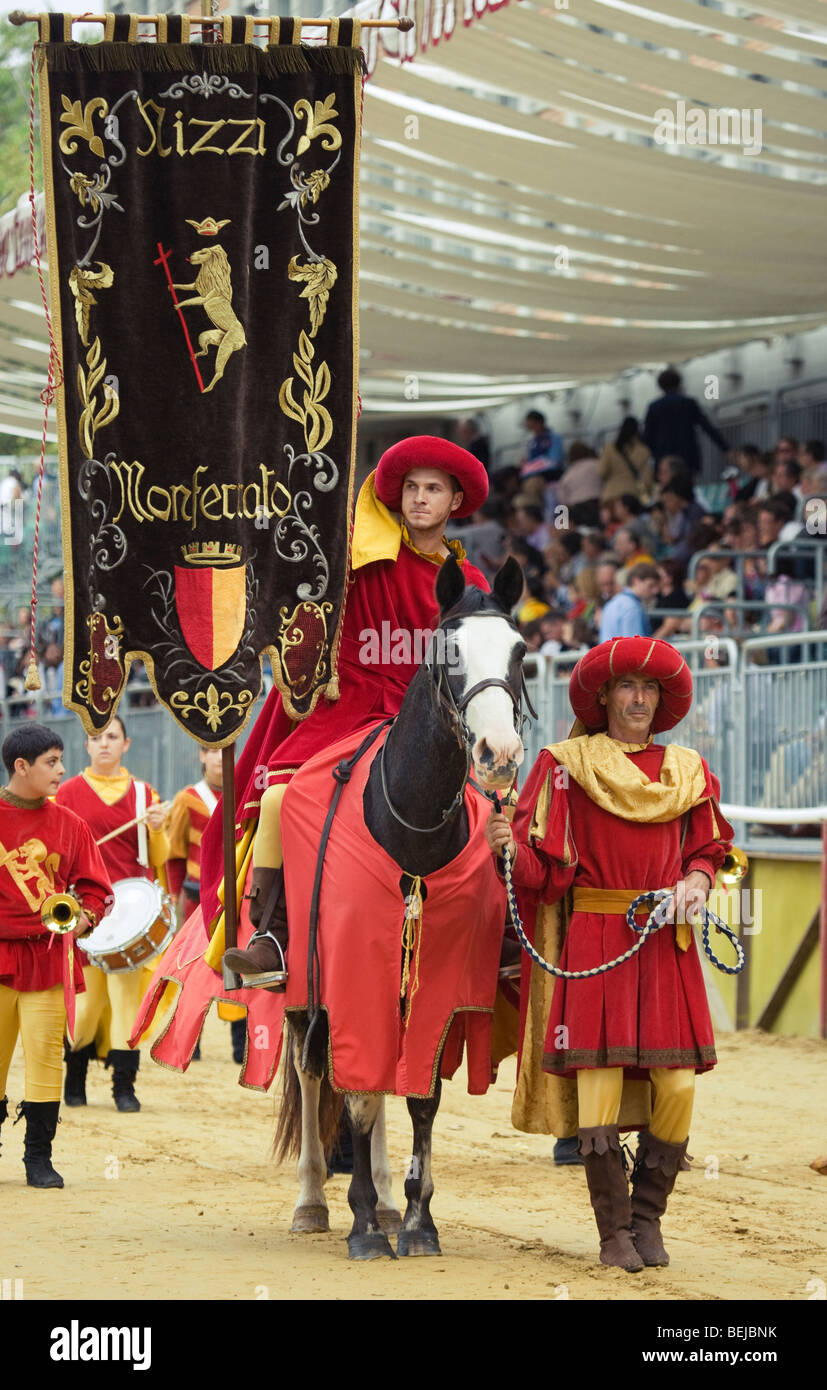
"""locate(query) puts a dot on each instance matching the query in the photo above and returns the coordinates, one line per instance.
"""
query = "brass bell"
(734, 867)
(60, 913)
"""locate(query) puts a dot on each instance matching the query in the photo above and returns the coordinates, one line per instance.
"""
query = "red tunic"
(44, 850)
(399, 593)
(120, 855)
(651, 1011)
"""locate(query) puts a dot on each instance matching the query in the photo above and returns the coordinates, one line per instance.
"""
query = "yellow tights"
(267, 850)
(39, 1016)
(122, 992)
(599, 1092)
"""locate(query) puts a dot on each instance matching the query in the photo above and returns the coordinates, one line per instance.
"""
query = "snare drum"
(140, 924)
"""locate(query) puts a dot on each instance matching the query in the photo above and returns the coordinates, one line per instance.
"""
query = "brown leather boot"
(657, 1165)
(609, 1193)
(262, 964)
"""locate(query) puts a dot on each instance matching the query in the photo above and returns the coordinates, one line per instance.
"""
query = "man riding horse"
(390, 606)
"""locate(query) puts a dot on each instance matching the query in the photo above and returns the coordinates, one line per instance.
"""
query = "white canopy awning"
(534, 212)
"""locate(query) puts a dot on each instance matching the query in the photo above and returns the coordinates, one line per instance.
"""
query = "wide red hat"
(632, 656)
(427, 451)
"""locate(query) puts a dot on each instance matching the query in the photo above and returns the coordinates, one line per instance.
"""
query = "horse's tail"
(288, 1135)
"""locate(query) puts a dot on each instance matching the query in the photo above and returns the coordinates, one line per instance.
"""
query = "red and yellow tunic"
(44, 849)
(188, 821)
(105, 803)
(651, 1011)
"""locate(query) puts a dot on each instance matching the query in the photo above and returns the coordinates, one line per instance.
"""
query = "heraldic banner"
(202, 233)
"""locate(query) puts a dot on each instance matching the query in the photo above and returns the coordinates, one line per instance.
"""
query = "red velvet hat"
(426, 451)
(631, 656)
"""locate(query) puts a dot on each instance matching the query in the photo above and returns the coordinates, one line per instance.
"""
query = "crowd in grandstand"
(614, 542)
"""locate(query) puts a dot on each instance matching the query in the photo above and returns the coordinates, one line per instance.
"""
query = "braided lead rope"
(656, 920)
(726, 931)
(661, 900)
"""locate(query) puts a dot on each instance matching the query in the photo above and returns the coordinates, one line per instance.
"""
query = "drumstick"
(160, 805)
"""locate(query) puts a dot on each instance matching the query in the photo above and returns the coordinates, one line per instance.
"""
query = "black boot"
(4, 1112)
(262, 964)
(238, 1031)
(41, 1123)
(124, 1070)
(74, 1087)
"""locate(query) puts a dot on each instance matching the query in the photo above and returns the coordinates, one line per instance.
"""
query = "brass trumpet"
(734, 867)
(61, 913)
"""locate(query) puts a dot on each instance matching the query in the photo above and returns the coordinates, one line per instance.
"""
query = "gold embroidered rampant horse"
(214, 291)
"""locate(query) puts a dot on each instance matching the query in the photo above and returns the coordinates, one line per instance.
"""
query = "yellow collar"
(377, 535)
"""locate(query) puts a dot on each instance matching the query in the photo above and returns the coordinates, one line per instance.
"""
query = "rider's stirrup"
(266, 979)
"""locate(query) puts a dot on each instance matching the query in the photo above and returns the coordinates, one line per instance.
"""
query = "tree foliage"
(15, 59)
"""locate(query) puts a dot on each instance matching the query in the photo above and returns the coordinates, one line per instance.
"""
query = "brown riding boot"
(657, 1165)
(262, 964)
(609, 1193)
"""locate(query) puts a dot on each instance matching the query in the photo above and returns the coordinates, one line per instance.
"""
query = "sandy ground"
(182, 1200)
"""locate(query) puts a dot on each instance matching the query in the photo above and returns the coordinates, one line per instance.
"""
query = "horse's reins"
(662, 899)
(456, 713)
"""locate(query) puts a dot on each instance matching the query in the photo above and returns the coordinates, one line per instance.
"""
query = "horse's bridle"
(446, 700)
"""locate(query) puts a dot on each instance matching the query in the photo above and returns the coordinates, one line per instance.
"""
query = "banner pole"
(231, 980)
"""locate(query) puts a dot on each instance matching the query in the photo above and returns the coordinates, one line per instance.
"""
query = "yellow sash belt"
(619, 900)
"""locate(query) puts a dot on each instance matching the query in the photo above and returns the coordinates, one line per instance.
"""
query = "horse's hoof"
(372, 1245)
(389, 1219)
(310, 1220)
(418, 1243)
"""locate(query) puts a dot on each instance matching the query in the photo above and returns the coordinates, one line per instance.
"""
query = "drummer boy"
(44, 849)
(108, 799)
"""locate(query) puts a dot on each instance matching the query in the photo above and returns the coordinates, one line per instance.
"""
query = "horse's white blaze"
(484, 647)
(312, 1168)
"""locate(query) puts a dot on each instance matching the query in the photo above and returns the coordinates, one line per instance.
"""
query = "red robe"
(373, 1047)
(651, 1011)
(44, 850)
(120, 855)
(399, 593)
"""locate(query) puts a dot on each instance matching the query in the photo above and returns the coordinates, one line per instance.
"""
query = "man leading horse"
(603, 817)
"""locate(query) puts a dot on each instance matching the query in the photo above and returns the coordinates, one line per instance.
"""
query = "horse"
(456, 714)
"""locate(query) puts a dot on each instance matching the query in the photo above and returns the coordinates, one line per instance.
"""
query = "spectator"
(811, 453)
(670, 467)
(527, 521)
(551, 627)
(624, 615)
(545, 450)
(682, 511)
(786, 448)
(758, 469)
(786, 477)
(671, 594)
(579, 487)
(592, 545)
(585, 595)
(814, 481)
(626, 465)
(484, 539)
(471, 437)
(671, 422)
(628, 549)
(607, 580)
